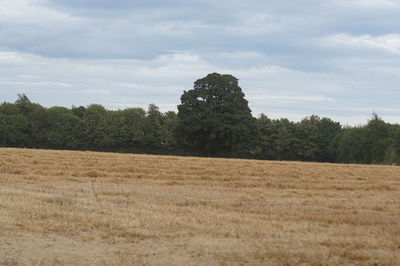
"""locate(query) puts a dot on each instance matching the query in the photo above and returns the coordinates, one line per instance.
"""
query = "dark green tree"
(24, 104)
(352, 146)
(157, 134)
(396, 146)
(124, 128)
(315, 139)
(78, 111)
(9, 109)
(215, 119)
(14, 127)
(377, 139)
(329, 133)
(134, 125)
(276, 139)
(154, 132)
(115, 135)
(94, 124)
(63, 128)
(170, 122)
(34, 113)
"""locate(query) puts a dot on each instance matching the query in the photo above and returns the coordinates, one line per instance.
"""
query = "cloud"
(390, 42)
(31, 11)
(34, 84)
(120, 83)
(371, 3)
(309, 57)
(291, 98)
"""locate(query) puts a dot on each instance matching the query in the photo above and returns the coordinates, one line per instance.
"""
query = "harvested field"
(86, 208)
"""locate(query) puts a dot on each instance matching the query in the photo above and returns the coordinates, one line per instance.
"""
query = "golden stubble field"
(86, 208)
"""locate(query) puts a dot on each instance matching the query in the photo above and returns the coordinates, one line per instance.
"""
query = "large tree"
(215, 119)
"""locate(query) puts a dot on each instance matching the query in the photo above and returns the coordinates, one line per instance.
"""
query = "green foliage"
(215, 119)
(34, 113)
(277, 139)
(311, 139)
(377, 140)
(94, 126)
(133, 126)
(13, 126)
(170, 123)
(372, 143)
(63, 128)
(352, 145)
(124, 128)
(315, 139)
(392, 155)
(78, 111)
(153, 129)
(37, 123)
(9, 109)
(24, 104)
(396, 143)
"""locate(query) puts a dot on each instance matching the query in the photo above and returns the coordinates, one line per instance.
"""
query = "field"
(86, 208)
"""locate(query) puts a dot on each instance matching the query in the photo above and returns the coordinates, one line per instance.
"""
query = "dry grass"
(85, 208)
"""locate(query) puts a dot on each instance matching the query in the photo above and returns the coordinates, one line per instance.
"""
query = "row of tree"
(27, 124)
(213, 119)
(323, 140)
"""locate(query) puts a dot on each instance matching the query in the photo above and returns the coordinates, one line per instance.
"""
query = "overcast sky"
(335, 58)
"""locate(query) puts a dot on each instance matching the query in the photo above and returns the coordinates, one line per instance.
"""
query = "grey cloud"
(146, 29)
(120, 4)
(122, 53)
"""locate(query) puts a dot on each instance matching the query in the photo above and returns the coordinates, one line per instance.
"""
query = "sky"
(331, 58)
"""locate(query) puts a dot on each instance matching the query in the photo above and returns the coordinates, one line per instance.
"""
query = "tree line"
(213, 120)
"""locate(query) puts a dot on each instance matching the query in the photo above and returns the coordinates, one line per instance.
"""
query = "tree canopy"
(215, 119)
